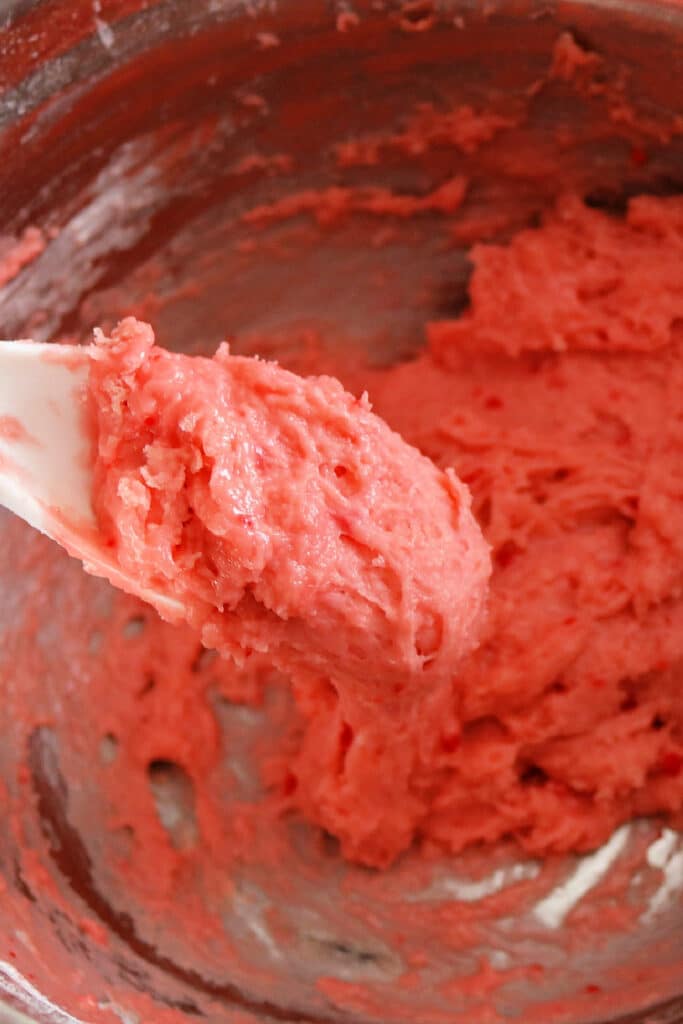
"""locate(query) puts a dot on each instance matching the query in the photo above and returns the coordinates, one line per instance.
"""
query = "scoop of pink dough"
(290, 520)
(287, 518)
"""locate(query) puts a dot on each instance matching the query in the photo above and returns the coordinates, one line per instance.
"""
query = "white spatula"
(45, 455)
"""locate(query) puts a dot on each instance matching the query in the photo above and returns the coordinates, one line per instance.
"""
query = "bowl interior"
(168, 152)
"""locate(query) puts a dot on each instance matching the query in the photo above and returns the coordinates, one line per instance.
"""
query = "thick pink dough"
(292, 521)
(558, 399)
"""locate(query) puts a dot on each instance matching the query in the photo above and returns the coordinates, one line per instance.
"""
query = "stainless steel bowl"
(127, 131)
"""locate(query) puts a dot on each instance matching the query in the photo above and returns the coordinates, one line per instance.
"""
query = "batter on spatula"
(290, 520)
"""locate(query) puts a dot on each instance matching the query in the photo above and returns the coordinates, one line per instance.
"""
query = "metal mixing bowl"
(127, 131)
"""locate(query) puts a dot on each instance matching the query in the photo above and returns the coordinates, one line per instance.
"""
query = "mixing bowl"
(144, 147)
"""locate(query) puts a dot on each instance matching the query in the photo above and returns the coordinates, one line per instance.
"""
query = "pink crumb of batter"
(16, 253)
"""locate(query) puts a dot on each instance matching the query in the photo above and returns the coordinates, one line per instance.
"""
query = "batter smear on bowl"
(301, 528)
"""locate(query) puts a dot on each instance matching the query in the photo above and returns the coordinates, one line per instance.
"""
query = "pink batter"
(292, 522)
(564, 421)
(558, 400)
